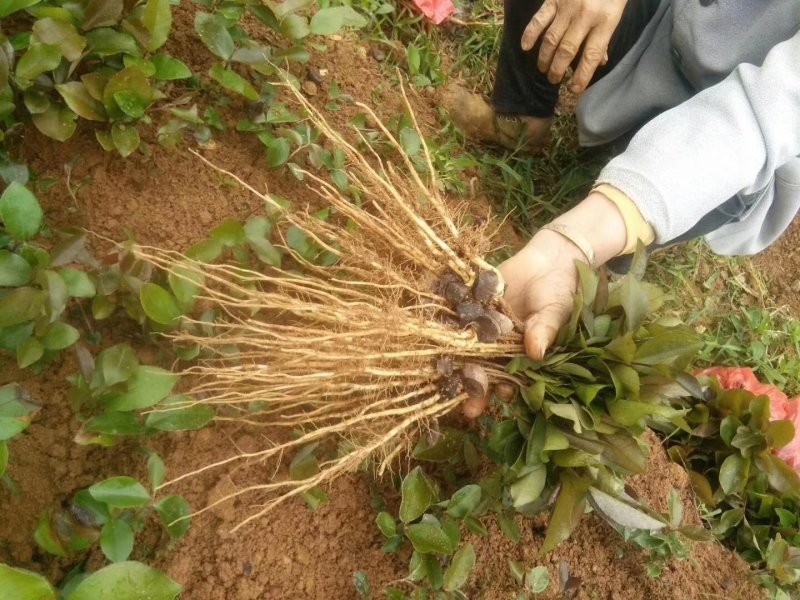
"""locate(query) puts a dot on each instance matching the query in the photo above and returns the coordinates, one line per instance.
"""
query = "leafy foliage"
(110, 512)
(751, 496)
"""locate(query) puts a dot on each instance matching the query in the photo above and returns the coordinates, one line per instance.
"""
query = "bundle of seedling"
(360, 348)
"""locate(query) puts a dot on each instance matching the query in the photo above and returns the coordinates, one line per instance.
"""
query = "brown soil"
(171, 200)
(780, 263)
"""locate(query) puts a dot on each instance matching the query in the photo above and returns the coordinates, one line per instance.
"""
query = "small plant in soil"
(111, 512)
(98, 61)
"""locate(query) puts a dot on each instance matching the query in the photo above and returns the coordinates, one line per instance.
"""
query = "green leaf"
(410, 141)
(14, 270)
(16, 412)
(106, 41)
(21, 305)
(278, 151)
(231, 80)
(667, 345)
(428, 536)
(256, 231)
(40, 58)
(45, 536)
(120, 492)
(621, 513)
(127, 93)
(529, 487)
(125, 138)
(458, 572)
(728, 519)
(147, 386)
(79, 284)
(537, 580)
(101, 13)
(361, 583)
(60, 335)
(20, 584)
(186, 417)
(213, 31)
(20, 212)
(80, 101)
(56, 290)
(416, 495)
(464, 501)
(28, 352)
(159, 304)
(60, 34)
(304, 464)
(781, 476)
(779, 433)
(386, 524)
(115, 365)
(567, 512)
(295, 27)
(733, 474)
(156, 470)
(115, 423)
(174, 512)
(3, 458)
(56, 122)
(633, 299)
(126, 581)
(185, 282)
(116, 540)
(157, 20)
(169, 68)
(330, 20)
(11, 6)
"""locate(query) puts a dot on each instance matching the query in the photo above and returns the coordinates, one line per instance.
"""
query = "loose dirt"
(172, 200)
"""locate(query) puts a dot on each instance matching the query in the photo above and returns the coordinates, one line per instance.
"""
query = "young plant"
(16, 413)
(111, 512)
(36, 285)
(96, 61)
(118, 577)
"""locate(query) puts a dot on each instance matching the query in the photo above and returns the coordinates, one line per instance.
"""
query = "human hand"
(540, 281)
(567, 25)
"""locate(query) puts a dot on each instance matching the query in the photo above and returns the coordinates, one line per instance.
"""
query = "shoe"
(482, 124)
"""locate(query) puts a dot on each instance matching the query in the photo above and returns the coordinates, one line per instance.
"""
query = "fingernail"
(575, 89)
(541, 346)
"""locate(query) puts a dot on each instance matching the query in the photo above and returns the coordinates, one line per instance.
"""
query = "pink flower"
(780, 406)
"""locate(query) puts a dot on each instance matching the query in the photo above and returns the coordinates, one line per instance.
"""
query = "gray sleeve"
(727, 139)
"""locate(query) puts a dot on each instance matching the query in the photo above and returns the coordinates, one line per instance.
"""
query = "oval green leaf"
(159, 304)
(458, 572)
(120, 492)
(126, 581)
(20, 584)
(116, 540)
(20, 211)
(417, 496)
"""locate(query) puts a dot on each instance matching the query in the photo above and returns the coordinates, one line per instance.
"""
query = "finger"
(543, 17)
(542, 328)
(567, 50)
(551, 40)
(595, 52)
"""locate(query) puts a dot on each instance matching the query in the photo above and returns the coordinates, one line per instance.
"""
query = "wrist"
(597, 222)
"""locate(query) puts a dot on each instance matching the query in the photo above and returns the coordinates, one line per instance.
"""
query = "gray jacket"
(715, 87)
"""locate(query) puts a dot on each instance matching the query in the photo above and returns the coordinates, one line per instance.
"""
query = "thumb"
(541, 330)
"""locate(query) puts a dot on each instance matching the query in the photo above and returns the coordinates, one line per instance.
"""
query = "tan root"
(360, 357)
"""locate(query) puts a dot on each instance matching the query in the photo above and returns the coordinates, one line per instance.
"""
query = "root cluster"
(359, 357)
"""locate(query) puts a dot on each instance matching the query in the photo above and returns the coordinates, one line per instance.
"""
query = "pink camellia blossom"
(780, 406)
